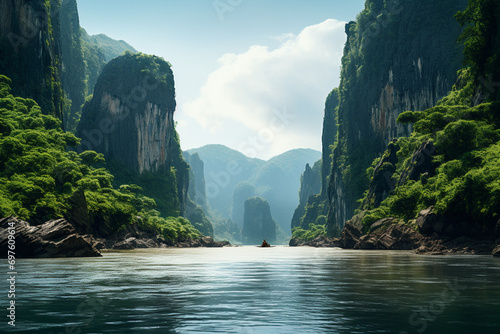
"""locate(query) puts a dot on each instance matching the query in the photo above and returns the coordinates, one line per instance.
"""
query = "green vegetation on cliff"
(39, 178)
(135, 96)
(29, 52)
(452, 159)
(399, 55)
(312, 232)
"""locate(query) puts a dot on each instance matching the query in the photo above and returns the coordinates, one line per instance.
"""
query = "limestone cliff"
(130, 121)
(328, 137)
(197, 204)
(399, 55)
(73, 65)
(30, 51)
(310, 184)
(242, 192)
(197, 188)
(258, 223)
(313, 204)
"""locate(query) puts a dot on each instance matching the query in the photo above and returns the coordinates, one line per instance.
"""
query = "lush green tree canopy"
(38, 175)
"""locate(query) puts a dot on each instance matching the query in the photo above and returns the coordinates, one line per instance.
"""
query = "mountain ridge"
(276, 179)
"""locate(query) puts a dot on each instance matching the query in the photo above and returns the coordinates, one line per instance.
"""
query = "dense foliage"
(465, 130)
(168, 180)
(399, 55)
(38, 175)
(314, 231)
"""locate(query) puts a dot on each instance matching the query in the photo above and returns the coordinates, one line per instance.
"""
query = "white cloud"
(283, 37)
(241, 99)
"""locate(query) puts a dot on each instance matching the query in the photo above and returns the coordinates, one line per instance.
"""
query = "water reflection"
(254, 290)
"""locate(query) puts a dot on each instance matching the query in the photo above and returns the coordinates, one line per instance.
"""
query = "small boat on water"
(265, 244)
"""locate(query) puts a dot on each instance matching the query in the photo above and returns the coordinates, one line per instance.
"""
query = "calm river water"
(257, 290)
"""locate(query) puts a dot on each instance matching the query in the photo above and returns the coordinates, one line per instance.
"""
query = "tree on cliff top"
(38, 177)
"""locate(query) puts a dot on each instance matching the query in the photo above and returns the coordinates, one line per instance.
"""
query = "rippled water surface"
(258, 290)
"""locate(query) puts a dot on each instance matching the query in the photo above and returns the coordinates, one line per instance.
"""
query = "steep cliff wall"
(328, 138)
(197, 188)
(399, 55)
(73, 66)
(429, 180)
(310, 184)
(197, 205)
(258, 223)
(242, 192)
(130, 120)
(314, 204)
(30, 51)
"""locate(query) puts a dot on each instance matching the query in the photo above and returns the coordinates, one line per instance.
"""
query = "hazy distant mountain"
(111, 48)
(224, 169)
(276, 180)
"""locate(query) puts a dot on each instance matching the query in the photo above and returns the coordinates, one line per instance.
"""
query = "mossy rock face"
(130, 121)
(142, 77)
(399, 56)
(448, 169)
(127, 85)
(30, 53)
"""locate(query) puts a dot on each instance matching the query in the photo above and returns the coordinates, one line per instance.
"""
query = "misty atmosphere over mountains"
(190, 162)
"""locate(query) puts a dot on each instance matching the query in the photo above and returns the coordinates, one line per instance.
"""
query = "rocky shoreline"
(59, 238)
(427, 235)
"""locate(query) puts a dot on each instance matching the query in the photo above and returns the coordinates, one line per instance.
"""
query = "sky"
(250, 74)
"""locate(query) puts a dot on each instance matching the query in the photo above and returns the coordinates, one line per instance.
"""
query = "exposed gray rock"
(55, 238)
(132, 243)
(387, 72)
(381, 223)
(350, 235)
(204, 242)
(317, 242)
(426, 221)
(394, 237)
(391, 234)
